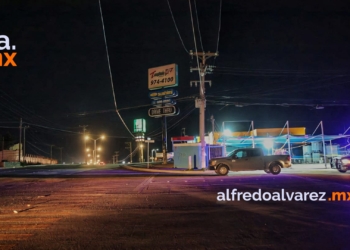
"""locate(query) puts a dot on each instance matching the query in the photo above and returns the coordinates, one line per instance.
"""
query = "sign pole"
(164, 137)
(148, 141)
(147, 154)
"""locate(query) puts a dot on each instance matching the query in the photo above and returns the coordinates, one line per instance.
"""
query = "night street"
(72, 207)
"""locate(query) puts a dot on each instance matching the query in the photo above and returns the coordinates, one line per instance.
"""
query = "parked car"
(102, 163)
(341, 163)
(246, 159)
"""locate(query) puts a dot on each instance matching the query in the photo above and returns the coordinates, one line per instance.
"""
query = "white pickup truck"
(247, 159)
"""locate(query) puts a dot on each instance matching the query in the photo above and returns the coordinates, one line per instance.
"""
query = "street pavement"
(110, 207)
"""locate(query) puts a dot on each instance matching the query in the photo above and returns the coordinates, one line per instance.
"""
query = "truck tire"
(342, 171)
(275, 168)
(222, 170)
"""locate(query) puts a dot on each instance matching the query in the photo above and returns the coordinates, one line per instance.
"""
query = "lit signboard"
(163, 77)
(139, 125)
(163, 93)
(162, 111)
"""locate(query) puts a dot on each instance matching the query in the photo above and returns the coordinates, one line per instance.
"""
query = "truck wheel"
(222, 170)
(275, 168)
(342, 171)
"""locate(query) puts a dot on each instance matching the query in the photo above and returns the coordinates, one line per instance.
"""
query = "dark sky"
(272, 54)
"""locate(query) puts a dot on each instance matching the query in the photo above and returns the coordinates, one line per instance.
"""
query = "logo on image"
(7, 58)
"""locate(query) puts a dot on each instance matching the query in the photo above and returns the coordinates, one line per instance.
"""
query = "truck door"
(240, 160)
(255, 159)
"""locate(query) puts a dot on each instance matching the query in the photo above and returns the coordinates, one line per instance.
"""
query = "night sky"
(277, 59)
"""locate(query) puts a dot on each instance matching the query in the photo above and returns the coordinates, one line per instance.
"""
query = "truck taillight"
(288, 158)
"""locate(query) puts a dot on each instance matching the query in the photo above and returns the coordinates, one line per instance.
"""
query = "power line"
(110, 71)
(176, 27)
(217, 44)
(199, 31)
(194, 38)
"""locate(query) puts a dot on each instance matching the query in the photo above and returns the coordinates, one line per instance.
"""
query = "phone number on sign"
(164, 80)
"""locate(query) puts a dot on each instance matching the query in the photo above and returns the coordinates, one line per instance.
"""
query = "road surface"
(74, 207)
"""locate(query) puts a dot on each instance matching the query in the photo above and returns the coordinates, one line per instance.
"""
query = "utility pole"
(130, 148)
(201, 102)
(61, 154)
(20, 140)
(212, 126)
(3, 148)
(24, 140)
(84, 129)
(51, 154)
(212, 123)
(115, 157)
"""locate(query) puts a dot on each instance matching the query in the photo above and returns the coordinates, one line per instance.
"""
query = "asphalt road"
(73, 207)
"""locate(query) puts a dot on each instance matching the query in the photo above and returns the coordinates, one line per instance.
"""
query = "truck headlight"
(345, 161)
(213, 163)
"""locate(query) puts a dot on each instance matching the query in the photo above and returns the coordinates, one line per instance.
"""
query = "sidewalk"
(169, 168)
(310, 166)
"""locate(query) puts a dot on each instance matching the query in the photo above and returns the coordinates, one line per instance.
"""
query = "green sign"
(140, 126)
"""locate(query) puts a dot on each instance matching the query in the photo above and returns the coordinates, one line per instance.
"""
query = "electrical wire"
(195, 42)
(219, 30)
(199, 31)
(110, 71)
(176, 27)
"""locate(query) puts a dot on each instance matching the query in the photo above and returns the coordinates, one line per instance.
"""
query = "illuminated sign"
(162, 111)
(140, 126)
(162, 77)
(163, 93)
(163, 101)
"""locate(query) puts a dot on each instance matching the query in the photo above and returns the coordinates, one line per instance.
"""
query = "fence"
(12, 156)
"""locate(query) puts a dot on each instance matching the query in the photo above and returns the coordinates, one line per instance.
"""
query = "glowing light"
(227, 132)
(268, 143)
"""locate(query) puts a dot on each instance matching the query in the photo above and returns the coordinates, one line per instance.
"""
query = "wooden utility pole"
(130, 148)
(51, 154)
(61, 154)
(115, 157)
(24, 140)
(201, 101)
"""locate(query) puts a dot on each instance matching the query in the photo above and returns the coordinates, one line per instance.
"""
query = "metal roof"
(248, 140)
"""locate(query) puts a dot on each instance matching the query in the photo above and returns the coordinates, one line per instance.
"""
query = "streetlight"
(251, 128)
(94, 152)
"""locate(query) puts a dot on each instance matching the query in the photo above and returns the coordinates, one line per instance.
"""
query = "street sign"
(162, 111)
(163, 93)
(164, 101)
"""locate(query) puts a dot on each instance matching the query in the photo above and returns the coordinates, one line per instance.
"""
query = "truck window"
(254, 153)
(241, 154)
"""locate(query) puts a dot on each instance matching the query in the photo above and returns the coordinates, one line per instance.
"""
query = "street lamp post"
(95, 140)
(141, 151)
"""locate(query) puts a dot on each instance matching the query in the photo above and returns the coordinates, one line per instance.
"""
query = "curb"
(179, 172)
